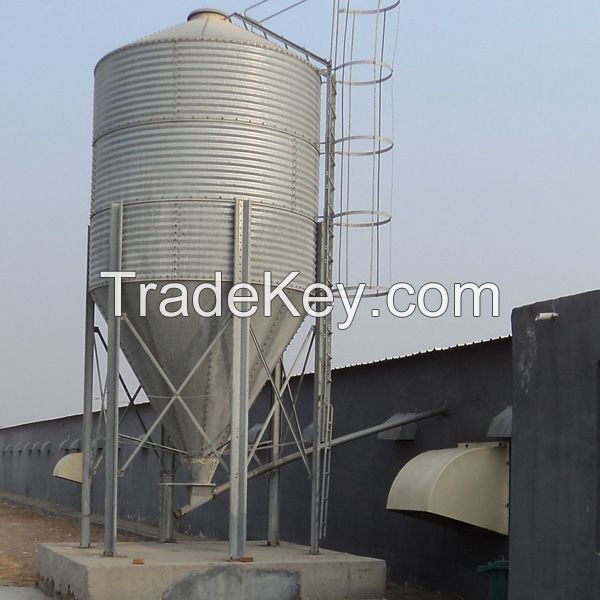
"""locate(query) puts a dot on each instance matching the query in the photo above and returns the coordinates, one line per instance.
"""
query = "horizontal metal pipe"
(344, 439)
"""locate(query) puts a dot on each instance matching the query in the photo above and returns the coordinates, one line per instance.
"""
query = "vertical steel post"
(111, 457)
(240, 390)
(323, 326)
(167, 476)
(273, 524)
(88, 388)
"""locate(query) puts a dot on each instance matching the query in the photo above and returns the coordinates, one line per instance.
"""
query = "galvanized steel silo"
(186, 121)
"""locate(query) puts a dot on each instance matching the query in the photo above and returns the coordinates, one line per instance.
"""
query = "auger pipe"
(290, 458)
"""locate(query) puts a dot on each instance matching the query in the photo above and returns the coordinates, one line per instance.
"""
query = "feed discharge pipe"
(344, 439)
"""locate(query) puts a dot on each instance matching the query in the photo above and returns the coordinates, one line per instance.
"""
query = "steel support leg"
(112, 389)
(273, 525)
(88, 383)
(240, 391)
(167, 476)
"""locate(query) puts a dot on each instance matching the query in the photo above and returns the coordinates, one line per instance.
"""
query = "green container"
(497, 572)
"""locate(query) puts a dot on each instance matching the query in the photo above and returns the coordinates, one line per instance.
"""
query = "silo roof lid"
(195, 14)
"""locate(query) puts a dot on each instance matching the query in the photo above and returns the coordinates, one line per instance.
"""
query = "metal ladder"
(327, 437)
(326, 406)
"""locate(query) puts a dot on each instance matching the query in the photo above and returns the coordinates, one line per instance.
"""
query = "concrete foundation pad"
(200, 570)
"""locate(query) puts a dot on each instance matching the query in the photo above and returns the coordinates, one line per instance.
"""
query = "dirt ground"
(21, 530)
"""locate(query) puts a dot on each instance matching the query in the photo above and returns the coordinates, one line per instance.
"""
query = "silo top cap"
(205, 12)
(204, 24)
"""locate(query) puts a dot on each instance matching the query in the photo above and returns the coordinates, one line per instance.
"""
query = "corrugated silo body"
(186, 121)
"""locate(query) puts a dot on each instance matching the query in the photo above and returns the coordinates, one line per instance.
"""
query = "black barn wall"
(555, 511)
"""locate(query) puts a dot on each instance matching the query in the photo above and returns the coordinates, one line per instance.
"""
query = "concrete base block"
(200, 571)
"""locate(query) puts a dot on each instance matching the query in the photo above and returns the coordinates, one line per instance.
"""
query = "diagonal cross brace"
(176, 393)
(284, 387)
(279, 399)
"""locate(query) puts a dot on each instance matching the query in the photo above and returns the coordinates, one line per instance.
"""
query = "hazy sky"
(497, 109)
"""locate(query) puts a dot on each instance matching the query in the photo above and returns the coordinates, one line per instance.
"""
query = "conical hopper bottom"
(177, 343)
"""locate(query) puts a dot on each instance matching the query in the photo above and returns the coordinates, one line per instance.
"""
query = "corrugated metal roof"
(423, 352)
(141, 402)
